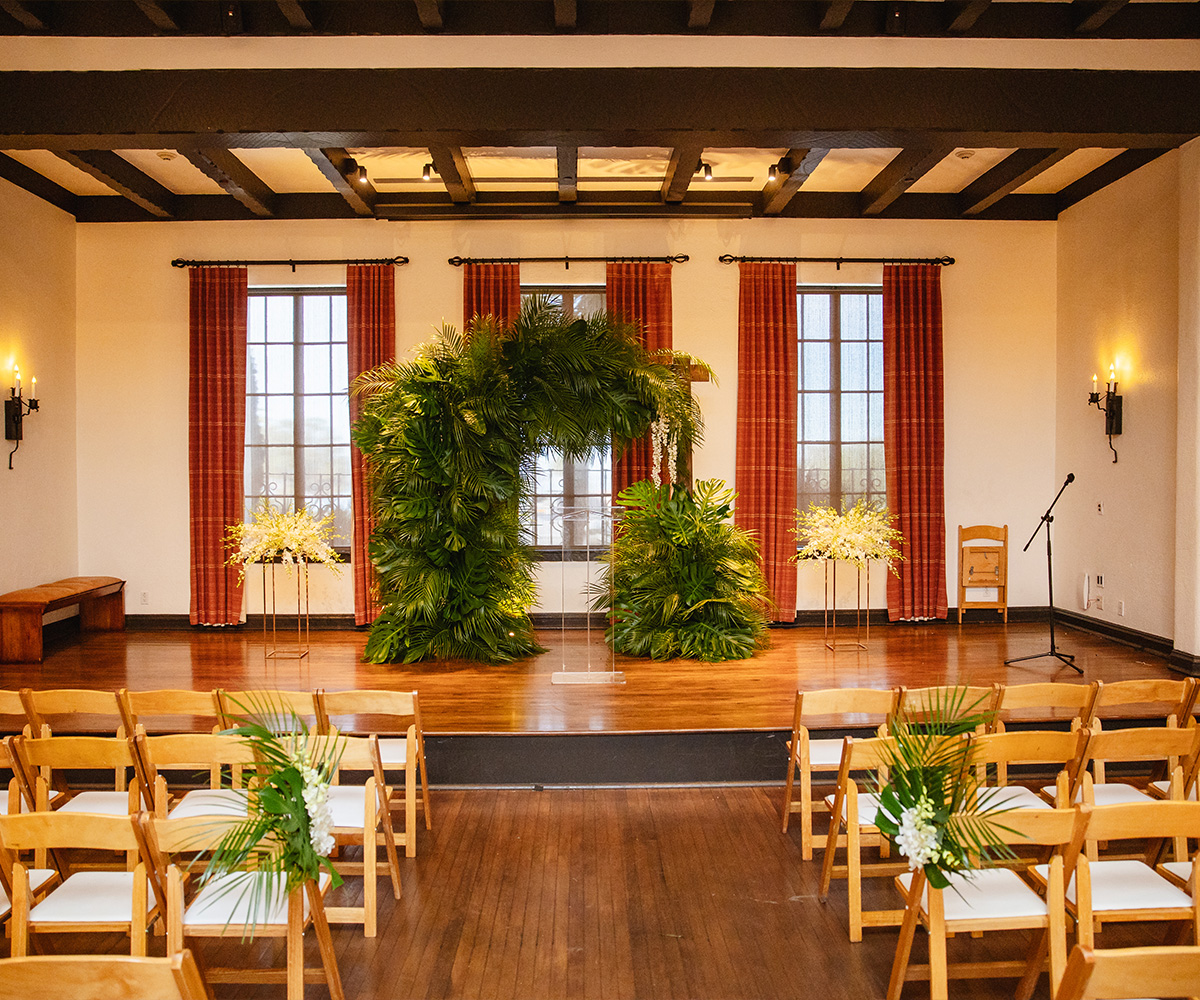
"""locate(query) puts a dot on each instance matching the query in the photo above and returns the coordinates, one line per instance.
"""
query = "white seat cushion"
(1107, 794)
(1127, 885)
(994, 893)
(24, 805)
(226, 902)
(868, 808)
(1180, 869)
(104, 803)
(1165, 788)
(825, 754)
(1015, 797)
(393, 753)
(210, 802)
(38, 877)
(90, 897)
(347, 804)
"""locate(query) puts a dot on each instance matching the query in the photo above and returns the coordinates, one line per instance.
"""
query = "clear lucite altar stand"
(862, 622)
(583, 519)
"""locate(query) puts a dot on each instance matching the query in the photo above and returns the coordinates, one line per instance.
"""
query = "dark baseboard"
(253, 623)
(1129, 636)
(812, 617)
(1184, 663)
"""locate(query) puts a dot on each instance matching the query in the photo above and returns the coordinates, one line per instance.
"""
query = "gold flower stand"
(862, 622)
(273, 647)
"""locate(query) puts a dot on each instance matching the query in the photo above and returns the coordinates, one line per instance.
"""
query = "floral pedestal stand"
(861, 622)
(272, 648)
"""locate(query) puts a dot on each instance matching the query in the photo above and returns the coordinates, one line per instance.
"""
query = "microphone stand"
(1046, 519)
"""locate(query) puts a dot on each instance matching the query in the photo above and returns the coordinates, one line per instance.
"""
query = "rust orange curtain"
(915, 437)
(370, 341)
(491, 290)
(216, 437)
(639, 292)
(766, 422)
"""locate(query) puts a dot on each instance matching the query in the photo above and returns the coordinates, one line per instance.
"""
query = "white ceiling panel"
(60, 171)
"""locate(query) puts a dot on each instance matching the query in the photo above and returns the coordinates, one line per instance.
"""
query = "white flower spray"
(918, 836)
(316, 804)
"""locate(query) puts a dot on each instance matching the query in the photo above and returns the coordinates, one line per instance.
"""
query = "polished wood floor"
(679, 695)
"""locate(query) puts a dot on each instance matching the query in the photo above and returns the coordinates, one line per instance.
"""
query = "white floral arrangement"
(862, 533)
(291, 537)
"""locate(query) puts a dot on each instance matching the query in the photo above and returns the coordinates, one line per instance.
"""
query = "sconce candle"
(1110, 407)
(16, 409)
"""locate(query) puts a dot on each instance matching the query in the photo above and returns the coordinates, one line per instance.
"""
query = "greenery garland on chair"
(448, 436)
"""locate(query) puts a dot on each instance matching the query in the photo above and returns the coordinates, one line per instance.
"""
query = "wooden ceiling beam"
(700, 14)
(23, 14)
(1005, 177)
(680, 171)
(1119, 166)
(568, 173)
(124, 178)
(430, 13)
(1091, 17)
(452, 167)
(334, 163)
(906, 168)
(36, 184)
(295, 14)
(794, 170)
(238, 180)
(566, 15)
(157, 15)
(835, 14)
(964, 15)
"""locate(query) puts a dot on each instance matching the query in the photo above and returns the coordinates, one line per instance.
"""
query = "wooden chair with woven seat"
(1047, 701)
(102, 977)
(380, 713)
(213, 754)
(993, 898)
(222, 908)
(855, 811)
(86, 901)
(805, 755)
(360, 818)
(1128, 973)
(181, 709)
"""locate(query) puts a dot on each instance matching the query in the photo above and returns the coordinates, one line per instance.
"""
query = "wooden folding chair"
(1047, 701)
(870, 706)
(381, 713)
(262, 703)
(72, 710)
(1127, 973)
(41, 881)
(1063, 751)
(13, 719)
(108, 977)
(916, 703)
(1173, 748)
(170, 710)
(992, 899)
(856, 811)
(210, 754)
(222, 909)
(86, 901)
(43, 760)
(360, 816)
(1157, 698)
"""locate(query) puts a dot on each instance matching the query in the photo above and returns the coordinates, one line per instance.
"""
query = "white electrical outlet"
(1121, 608)
(145, 597)
(1098, 602)
(1099, 579)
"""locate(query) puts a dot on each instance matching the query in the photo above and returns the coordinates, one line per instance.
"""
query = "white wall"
(1187, 477)
(999, 302)
(38, 536)
(1118, 273)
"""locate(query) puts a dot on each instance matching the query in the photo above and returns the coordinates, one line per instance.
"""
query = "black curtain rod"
(293, 264)
(679, 258)
(839, 261)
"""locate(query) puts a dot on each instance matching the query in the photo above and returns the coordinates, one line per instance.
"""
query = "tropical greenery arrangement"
(449, 436)
(290, 536)
(285, 839)
(856, 535)
(932, 804)
(682, 580)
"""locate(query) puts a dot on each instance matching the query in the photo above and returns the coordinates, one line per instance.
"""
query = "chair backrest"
(1125, 973)
(1044, 827)
(1141, 744)
(269, 705)
(1046, 700)
(181, 709)
(368, 711)
(42, 759)
(96, 977)
(36, 830)
(917, 703)
(1148, 698)
(189, 751)
(79, 710)
(1149, 821)
(1034, 747)
(13, 718)
(871, 705)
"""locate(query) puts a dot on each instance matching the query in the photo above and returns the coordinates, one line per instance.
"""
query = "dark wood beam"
(680, 171)
(23, 14)
(451, 166)
(1091, 17)
(565, 15)
(794, 170)
(157, 15)
(1006, 176)
(835, 14)
(124, 178)
(906, 168)
(700, 13)
(568, 173)
(964, 15)
(235, 177)
(295, 14)
(1105, 174)
(430, 13)
(333, 163)
(22, 176)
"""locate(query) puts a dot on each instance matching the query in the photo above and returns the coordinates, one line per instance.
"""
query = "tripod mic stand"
(1046, 520)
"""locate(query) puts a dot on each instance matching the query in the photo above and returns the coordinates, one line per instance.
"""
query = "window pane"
(256, 368)
(279, 368)
(317, 368)
(875, 351)
(339, 369)
(280, 319)
(816, 416)
(814, 365)
(280, 419)
(316, 319)
(854, 472)
(280, 469)
(875, 317)
(587, 303)
(256, 420)
(854, 317)
(814, 317)
(318, 424)
(256, 319)
(854, 366)
(854, 416)
(875, 423)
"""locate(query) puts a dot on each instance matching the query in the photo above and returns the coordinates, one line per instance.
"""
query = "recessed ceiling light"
(964, 154)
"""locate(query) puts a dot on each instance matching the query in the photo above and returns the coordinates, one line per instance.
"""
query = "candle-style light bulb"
(1093, 383)
(33, 387)
(17, 378)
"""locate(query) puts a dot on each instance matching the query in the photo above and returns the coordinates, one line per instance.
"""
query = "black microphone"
(1070, 477)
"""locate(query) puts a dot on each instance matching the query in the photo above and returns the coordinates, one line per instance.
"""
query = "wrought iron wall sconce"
(16, 408)
(1110, 407)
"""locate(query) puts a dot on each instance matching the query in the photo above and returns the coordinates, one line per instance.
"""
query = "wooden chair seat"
(1178, 873)
(1110, 793)
(98, 803)
(210, 802)
(1162, 790)
(38, 877)
(1127, 886)
(54, 794)
(989, 899)
(823, 755)
(1015, 797)
(224, 904)
(102, 898)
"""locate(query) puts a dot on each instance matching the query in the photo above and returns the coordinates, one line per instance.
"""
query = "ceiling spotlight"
(964, 154)
(427, 172)
(360, 176)
(353, 172)
(706, 170)
(773, 172)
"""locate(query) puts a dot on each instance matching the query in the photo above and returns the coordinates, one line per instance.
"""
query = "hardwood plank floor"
(461, 697)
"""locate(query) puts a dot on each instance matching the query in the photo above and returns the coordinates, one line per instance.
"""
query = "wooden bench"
(101, 601)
